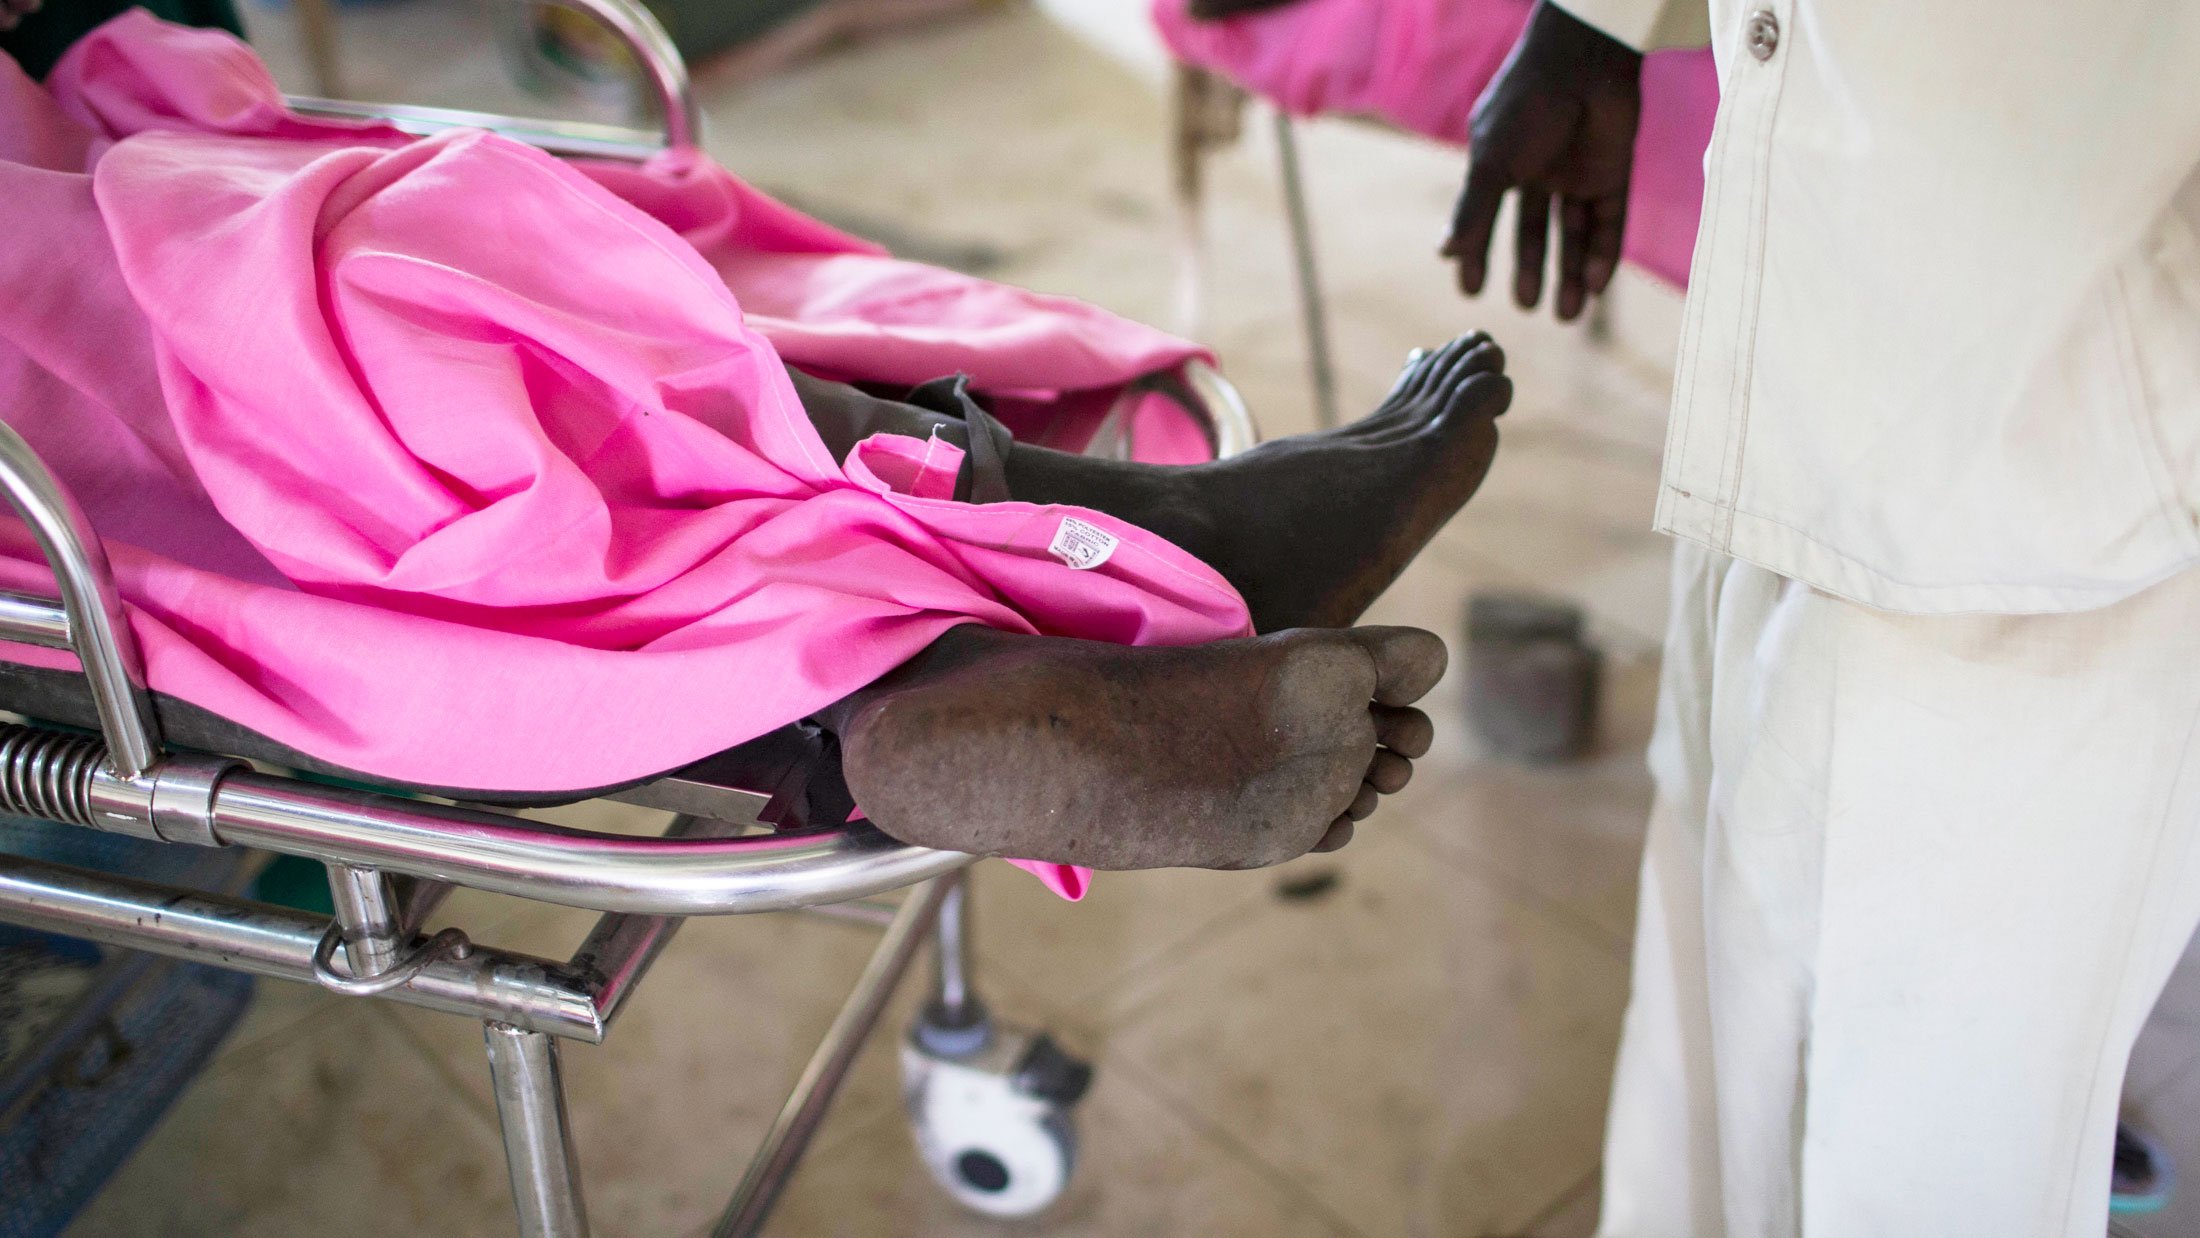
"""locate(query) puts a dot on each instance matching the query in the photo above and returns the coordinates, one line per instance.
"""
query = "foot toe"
(1411, 375)
(1388, 773)
(1340, 833)
(1408, 662)
(1469, 355)
(1363, 804)
(1425, 369)
(1486, 357)
(1480, 395)
(1405, 731)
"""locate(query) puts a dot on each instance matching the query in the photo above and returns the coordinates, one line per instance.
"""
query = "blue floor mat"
(95, 1042)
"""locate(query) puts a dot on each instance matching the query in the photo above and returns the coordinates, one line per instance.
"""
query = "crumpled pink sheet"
(445, 462)
(1421, 64)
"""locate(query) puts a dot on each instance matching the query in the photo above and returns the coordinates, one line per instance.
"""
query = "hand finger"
(1472, 223)
(1607, 233)
(1340, 833)
(1573, 258)
(1534, 235)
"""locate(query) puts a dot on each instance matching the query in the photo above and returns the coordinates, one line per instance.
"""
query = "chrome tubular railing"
(643, 35)
(88, 621)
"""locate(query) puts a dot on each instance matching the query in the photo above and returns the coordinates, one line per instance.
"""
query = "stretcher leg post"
(538, 1144)
(806, 1106)
(954, 1003)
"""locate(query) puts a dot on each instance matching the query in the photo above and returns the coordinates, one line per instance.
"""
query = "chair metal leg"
(1187, 166)
(1311, 305)
(806, 1106)
(538, 1145)
(317, 31)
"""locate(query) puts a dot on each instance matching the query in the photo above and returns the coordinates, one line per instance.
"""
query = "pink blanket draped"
(1421, 64)
(444, 462)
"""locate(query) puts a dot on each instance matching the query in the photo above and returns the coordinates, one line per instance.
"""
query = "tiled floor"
(1421, 1048)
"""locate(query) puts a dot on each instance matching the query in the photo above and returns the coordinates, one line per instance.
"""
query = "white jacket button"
(1762, 34)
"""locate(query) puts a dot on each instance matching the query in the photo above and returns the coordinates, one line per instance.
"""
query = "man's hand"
(1558, 124)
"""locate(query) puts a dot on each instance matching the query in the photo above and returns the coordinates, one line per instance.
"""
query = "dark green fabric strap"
(41, 38)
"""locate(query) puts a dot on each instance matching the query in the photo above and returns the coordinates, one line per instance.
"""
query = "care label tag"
(1083, 545)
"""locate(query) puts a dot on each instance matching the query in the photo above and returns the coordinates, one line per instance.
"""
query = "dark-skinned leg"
(1310, 529)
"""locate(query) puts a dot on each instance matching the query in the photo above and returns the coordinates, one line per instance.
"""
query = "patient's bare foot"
(1312, 528)
(1235, 754)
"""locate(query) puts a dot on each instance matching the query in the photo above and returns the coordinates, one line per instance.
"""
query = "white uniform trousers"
(1911, 887)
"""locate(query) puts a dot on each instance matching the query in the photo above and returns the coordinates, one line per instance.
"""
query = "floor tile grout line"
(1157, 964)
(413, 1040)
(282, 1034)
(1137, 1078)
(1147, 991)
(1581, 927)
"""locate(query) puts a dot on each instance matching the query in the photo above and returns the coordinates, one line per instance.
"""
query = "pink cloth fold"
(453, 464)
(1421, 64)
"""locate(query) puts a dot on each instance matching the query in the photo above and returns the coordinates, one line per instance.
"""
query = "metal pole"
(876, 912)
(367, 909)
(813, 1094)
(317, 31)
(1311, 306)
(1187, 177)
(530, 859)
(98, 629)
(954, 1005)
(621, 948)
(540, 994)
(538, 1144)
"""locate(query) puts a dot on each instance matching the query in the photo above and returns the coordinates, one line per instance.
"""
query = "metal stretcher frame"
(391, 859)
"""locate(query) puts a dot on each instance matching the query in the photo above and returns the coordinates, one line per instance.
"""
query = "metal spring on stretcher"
(48, 774)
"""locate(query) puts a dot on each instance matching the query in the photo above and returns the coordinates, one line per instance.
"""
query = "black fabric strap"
(986, 458)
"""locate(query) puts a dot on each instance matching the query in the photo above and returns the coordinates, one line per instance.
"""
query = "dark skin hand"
(1557, 126)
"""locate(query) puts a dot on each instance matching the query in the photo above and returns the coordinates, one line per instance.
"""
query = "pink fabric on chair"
(442, 461)
(1421, 64)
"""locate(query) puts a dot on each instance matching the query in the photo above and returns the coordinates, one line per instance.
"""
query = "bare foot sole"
(1236, 754)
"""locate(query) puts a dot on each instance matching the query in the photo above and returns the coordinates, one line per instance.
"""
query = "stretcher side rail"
(680, 114)
(214, 801)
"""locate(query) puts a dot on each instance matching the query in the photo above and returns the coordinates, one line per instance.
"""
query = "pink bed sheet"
(1421, 64)
(450, 463)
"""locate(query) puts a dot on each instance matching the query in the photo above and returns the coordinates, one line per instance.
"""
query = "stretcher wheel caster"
(992, 1108)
